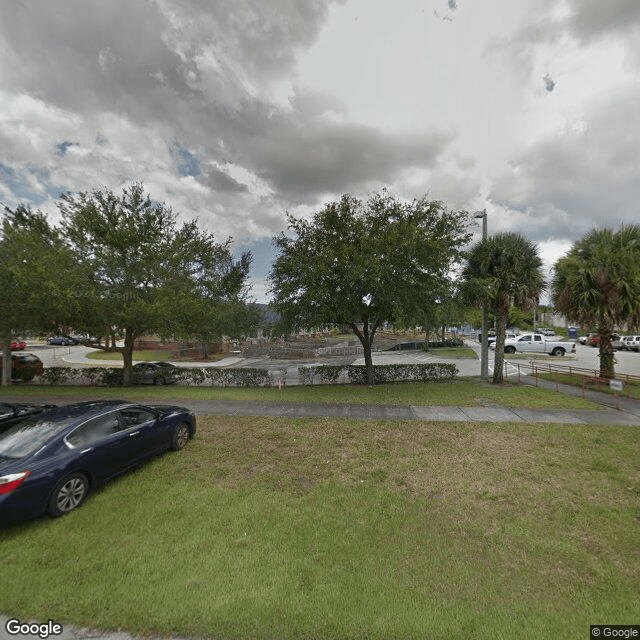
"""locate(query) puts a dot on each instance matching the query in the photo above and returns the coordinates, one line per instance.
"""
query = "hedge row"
(250, 377)
(357, 374)
(449, 342)
(112, 376)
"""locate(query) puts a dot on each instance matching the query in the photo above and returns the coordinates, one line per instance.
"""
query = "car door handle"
(86, 450)
(135, 433)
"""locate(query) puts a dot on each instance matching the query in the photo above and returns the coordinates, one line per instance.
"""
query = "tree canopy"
(500, 271)
(362, 264)
(141, 272)
(35, 277)
(597, 284)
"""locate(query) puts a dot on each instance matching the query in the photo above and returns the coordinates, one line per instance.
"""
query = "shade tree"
(362, 264)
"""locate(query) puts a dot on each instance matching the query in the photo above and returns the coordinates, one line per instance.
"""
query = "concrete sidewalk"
(621, 411)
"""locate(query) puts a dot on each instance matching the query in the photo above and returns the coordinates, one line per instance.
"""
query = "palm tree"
(501, 271)
(598, 284)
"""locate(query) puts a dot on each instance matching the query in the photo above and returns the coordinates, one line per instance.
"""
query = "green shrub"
(357, 374)
(425, 372)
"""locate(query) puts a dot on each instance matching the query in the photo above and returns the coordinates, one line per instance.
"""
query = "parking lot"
(586, 357)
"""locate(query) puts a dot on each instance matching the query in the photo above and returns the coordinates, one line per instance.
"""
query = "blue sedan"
(50, 463)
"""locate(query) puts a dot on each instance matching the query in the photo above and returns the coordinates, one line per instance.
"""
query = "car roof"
(83, 409)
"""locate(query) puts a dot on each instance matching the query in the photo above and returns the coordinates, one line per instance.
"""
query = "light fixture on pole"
(484, 343)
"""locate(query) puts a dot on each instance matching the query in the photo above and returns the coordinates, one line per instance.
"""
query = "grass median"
(468, 393)
(296, 528)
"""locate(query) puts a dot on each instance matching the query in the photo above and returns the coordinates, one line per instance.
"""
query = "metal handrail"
(536, 368)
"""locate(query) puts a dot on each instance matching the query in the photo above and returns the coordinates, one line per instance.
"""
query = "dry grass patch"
(327, 528)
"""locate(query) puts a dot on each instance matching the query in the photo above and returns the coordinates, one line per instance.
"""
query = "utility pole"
(484, 344)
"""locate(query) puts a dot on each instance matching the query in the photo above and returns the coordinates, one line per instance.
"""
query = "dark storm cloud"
(84, 55)
(165, 60)
(194, 71)
(594, 18)
(220, 181)
(585, 20)
(264, 36)
(317, 158)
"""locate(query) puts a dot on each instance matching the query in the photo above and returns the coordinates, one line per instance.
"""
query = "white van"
(631, 343)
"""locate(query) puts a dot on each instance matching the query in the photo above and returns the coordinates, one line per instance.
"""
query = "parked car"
(507, 336)
(582, 339)
(593, 340)
(538, 343)
(24, 367)
(11, 413)
(546, 331)
(50, 463)
(631, 343)
(16, 345)
(62, 340)
(155, 373)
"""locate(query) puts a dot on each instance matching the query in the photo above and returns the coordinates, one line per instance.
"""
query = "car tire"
(180, 437)
(509, 349)
(69, 493)
(558, 351)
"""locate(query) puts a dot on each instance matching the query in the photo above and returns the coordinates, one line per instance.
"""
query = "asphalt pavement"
(611, 410)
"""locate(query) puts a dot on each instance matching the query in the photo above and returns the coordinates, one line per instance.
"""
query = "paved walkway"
(611, 410)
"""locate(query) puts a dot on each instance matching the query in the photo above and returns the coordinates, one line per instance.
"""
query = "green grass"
(452, 352)
(146, 355)
(467, 393)
(631, 387)
(270, 528)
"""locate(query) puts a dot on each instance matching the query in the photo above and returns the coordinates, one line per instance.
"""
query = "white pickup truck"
(537, 343)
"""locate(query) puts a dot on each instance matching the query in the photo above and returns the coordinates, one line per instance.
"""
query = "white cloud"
(238, 110)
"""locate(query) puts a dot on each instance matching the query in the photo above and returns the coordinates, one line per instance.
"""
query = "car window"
(525, 339)
(135, 416)
(94, 430)
(537, 338)
(28, 436)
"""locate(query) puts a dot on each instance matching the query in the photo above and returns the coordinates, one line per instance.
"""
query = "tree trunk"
(6, 360)
(501, 329)
(366, 339)
(127, 358)
(607, 359)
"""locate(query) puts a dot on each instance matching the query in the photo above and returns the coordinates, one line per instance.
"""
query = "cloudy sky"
(237, 111)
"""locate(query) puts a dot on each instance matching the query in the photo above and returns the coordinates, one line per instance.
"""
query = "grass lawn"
(270, 528)
(631, 386)
(453, 352)
(147, 355)
(464, 392)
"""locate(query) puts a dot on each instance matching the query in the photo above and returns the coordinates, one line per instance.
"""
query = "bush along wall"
(112, 377)
(357, 374)
(253, 377)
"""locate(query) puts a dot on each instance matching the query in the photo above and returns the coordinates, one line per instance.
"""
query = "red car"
(17, 345)
(593, 339)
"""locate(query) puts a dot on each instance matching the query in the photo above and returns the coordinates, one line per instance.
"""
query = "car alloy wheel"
(69, 494)
(180, 437)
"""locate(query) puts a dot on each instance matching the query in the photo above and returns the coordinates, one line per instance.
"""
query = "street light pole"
(484, 344)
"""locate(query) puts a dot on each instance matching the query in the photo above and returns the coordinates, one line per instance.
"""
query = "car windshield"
(26, 437)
